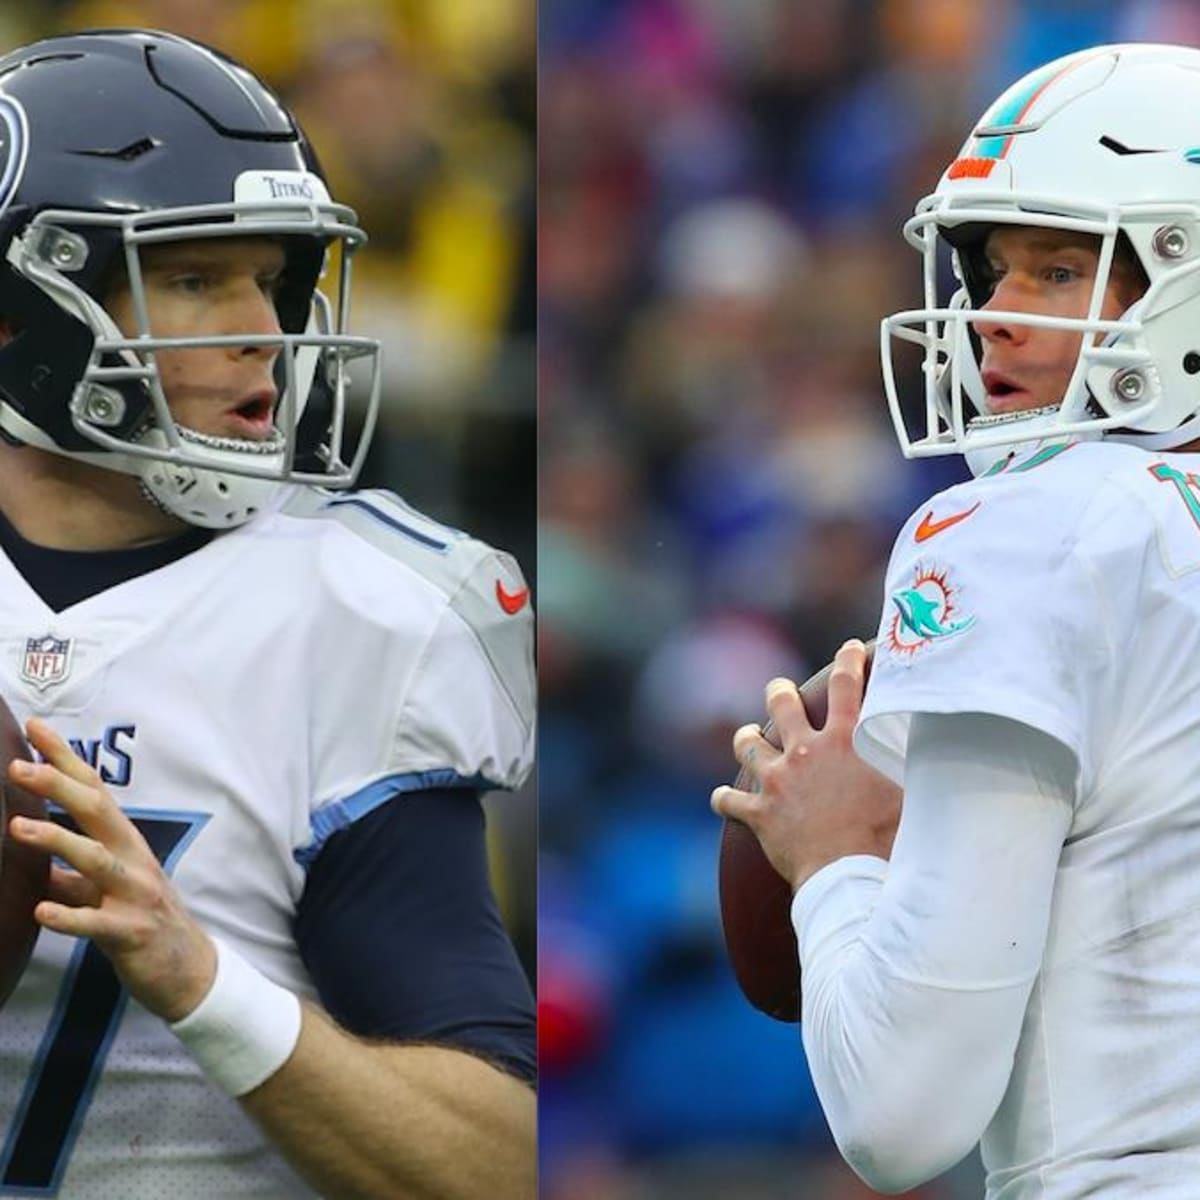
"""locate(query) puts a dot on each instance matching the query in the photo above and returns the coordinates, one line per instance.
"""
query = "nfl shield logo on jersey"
(47, 660)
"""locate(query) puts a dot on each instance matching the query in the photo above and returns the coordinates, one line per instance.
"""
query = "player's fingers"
(82, 922)
(88, 801)
(50, 782)
(787, 710)
(72, 889)
(89, 857)
(750, 748)
(57, 751)
(846, 686)
(732, 802)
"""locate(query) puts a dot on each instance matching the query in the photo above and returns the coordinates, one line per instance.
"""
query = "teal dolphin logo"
(925, 613)
(919, 615)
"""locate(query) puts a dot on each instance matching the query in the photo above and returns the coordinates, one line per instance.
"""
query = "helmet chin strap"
(1026, 427)
(210, 495)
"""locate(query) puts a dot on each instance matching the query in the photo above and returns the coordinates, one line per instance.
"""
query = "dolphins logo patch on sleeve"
(924, 613)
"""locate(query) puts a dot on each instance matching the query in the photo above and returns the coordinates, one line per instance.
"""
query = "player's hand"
(116, 892)
(819, 801)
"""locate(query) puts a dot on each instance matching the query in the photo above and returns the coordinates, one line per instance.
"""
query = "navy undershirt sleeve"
(400, 932)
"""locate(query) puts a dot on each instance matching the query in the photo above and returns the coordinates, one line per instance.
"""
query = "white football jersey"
(1063, 591)
(243, 703)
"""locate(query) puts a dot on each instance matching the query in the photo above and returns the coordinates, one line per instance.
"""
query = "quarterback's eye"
(1061, 274)
(191, 282)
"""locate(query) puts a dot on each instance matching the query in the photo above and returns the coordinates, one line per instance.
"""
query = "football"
(756, 901)
(24, 871)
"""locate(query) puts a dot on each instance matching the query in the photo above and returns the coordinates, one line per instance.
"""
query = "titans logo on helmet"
(14, 148)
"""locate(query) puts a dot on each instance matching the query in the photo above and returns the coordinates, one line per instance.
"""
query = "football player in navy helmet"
(264, 706)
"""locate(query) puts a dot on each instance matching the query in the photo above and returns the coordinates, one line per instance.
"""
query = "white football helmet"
(1104, 141)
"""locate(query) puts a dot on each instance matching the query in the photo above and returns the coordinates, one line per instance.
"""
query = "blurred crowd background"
(722, 185)
(423, 117)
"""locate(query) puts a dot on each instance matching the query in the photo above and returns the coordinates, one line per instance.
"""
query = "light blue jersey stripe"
(341, 814)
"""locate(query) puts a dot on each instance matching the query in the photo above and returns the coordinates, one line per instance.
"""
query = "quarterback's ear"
(8, 330)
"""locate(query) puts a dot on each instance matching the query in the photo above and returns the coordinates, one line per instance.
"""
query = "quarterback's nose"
(1009, 295)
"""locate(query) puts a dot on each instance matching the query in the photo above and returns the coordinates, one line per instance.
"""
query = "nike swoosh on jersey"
(929, 527)
(511, 602)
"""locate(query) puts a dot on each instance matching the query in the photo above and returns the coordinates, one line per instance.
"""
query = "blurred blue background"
(721, 190)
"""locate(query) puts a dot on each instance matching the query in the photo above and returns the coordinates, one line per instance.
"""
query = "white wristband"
(244, 1029)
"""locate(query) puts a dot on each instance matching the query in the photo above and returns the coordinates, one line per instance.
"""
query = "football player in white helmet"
(1018, 966)
(270, 962)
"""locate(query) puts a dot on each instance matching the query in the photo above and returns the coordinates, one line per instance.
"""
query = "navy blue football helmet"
(111, 140)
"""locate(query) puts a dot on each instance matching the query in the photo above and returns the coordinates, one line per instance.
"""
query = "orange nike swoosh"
(511, 602)
(929, 527)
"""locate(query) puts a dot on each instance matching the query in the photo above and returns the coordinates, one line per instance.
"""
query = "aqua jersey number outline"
(81, 1029)
(1186, 485)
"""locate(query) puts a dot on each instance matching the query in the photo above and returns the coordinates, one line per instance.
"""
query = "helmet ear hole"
(1191, 362)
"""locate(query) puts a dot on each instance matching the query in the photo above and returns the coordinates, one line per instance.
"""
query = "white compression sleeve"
(916, 972)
